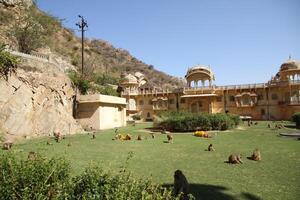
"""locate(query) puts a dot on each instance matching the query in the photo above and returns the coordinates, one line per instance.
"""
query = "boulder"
(35, 101)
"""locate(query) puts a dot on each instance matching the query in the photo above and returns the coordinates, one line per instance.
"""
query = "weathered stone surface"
(36, 101)
(26, 3)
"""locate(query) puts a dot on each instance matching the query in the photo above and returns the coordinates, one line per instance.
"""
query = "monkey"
(139, 137)
(117, 137)
(256, 155)
(31, 156)
(235, 159)
(211, 148)
(181, 184)
(7, 145)
(170, 138)
(116, 130)
(128, 137)
(269, 125)
(94, 135)
(152, 135)
(280, 126)
(48, 142)
(249, 124)
(57, 135)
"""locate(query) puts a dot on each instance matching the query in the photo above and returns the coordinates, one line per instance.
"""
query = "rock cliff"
(35, 101)
(25, 3)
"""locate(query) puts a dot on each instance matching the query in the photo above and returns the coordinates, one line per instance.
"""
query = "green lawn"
(277, 176)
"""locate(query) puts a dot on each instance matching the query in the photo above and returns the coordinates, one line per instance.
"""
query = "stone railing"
(227, 87)
(243, 86)
(34, 55)
(145, 92)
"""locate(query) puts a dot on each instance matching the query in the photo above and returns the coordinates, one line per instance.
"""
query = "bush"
(51, 179)
(104, 79)
(136, 117)
(235, 118)
(182, 121)
(95, 184)
(8, 62)
(82, 84)
(38, 179)
(108, 90)
(296, 119)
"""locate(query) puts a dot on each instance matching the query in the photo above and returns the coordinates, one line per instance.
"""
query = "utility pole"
(82, 24)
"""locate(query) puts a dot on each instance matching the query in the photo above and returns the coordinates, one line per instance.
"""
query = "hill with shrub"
(28, 29)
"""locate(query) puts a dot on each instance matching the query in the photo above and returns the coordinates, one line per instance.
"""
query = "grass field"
(277, 176)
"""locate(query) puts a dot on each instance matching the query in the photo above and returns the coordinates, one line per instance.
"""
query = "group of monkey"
(181, 185)
(119, 136)
(277, 126)
(237, 158)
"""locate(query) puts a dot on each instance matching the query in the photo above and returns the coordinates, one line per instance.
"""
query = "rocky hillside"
(101, 56)
(36, 101)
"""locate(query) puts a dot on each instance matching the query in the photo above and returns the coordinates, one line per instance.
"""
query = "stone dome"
(290, 64)
(199, 72)
(130, 79)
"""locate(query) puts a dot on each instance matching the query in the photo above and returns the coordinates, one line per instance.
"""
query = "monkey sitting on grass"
(256, 155)
(170, 138)
(235, 159)
(181, 185)
(210, 148)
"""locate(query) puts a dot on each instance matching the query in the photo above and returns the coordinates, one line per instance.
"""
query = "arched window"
(246, 100)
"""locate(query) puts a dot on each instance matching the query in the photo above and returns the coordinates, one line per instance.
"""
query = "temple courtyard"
(276, 176)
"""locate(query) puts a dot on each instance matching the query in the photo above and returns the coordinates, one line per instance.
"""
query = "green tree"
(8, 62)
(82, 84)
(108, 90)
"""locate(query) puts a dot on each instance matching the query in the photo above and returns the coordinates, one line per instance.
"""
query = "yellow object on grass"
(200, 134)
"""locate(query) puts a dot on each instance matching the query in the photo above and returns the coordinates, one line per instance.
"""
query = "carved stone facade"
(277, 99)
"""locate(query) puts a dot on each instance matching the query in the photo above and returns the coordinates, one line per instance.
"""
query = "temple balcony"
(284, 83)
(199, 90)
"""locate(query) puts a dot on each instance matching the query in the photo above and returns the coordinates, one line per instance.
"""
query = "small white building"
(99, 112)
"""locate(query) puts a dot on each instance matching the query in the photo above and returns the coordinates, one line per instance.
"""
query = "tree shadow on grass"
(207, 192)
(249, 196)
(214, 192)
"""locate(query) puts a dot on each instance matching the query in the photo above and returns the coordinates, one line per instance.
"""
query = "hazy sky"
(244, 41)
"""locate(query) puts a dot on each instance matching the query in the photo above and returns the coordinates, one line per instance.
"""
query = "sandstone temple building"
(276, 99)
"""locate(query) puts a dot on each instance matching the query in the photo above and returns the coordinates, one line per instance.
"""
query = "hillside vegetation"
(30, 29)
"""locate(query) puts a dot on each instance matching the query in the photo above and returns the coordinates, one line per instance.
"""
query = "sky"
(243, 41)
